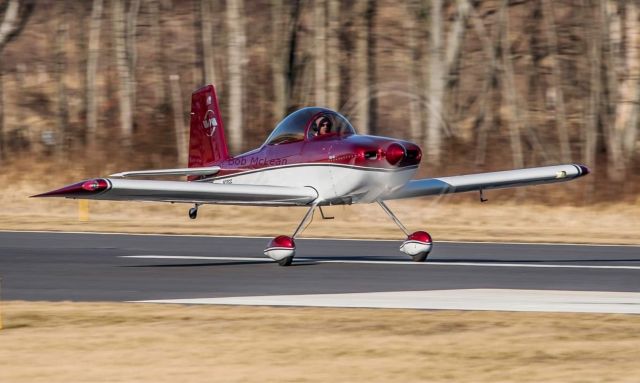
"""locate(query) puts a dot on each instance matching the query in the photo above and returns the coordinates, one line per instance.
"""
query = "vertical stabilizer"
(207, 144)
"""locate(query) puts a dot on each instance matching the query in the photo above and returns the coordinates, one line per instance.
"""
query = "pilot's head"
(323, 125)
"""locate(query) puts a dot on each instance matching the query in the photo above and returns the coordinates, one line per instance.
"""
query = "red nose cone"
(421, 236)
(395, 153)
(282, 241)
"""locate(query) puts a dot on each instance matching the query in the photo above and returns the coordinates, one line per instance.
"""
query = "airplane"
(313, 158)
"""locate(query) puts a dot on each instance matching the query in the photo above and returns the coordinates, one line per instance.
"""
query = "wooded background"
(480, 85)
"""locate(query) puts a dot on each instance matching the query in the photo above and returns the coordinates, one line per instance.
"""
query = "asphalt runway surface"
(117, 267)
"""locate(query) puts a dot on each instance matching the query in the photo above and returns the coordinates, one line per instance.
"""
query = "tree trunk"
(237, 62)
(320, 51)
(560, 114)
(178, 121)
(333, 54)
(158, 70)
(485, 118)
(95, 24)
(279, 57)
(617, 84)
(132, 53)
(442, 62)
(594, 40)
(509, 89)
(206, 20)
(371, 66)
(360, 74)
(61, 65)
(124, 74)
(415, 76)
(435, 90)
(630, 101)
(7, 28)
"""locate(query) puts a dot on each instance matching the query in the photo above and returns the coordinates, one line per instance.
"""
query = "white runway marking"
(466, 299)
(381, 262)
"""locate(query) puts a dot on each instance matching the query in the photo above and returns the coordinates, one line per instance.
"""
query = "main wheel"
(286, 261)
(420, 257)
(418, 246)
(193, 213)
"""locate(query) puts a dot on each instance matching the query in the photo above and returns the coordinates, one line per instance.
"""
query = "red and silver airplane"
(313, 158)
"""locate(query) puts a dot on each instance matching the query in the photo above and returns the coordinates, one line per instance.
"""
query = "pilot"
(323, 126)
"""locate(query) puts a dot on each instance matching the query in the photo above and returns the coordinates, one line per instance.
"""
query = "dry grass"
(459, 217)
(119, 342)
(447, 218)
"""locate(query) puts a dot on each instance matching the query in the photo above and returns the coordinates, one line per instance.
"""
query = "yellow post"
(83, 210)
(0, 304)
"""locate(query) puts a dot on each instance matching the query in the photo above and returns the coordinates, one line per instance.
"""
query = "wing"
(183, 191)
(206, 171)
(492, 180)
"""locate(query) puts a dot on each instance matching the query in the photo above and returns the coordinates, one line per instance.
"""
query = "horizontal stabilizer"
(204, 171)
(116, 189)
(491, 180)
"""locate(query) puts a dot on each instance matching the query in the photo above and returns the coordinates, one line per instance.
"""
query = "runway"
(199, 269)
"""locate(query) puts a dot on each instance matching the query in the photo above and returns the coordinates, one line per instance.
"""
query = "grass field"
(444, 219)
(553, 218)
(121, 342)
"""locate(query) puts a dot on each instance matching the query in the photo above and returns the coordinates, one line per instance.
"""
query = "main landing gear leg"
(282, 248)
(417, 245)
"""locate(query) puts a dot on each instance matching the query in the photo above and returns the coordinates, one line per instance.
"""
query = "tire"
(420, 257)
(285, 261)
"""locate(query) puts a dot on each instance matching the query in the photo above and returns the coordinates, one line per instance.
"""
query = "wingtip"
(584, 169)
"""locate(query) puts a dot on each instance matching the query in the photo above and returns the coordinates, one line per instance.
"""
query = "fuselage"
(343, 169)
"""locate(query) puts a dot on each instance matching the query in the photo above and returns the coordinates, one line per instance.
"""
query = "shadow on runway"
(221, 263)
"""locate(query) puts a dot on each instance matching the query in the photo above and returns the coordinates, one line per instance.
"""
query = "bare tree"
(178, 120)
(206, 20)
(236, 65)
(15, 17)
(621, 66)
(485, 117)
(95, 24)
(61, 65)
(442, 61)
(279, 58)
(630, 90)
(560, 114)
(159, 69)
(509, 89)
(320, 51)
(333, 53)
(592, 25)
(360, 76)
(125, 100)
(414, 78)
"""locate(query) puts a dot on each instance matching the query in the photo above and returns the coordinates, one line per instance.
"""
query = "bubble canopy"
(310, 123)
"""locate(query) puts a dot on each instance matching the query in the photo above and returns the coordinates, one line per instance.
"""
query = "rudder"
(207, 144)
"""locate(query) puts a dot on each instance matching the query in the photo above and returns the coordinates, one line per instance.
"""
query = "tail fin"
(207, 144)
